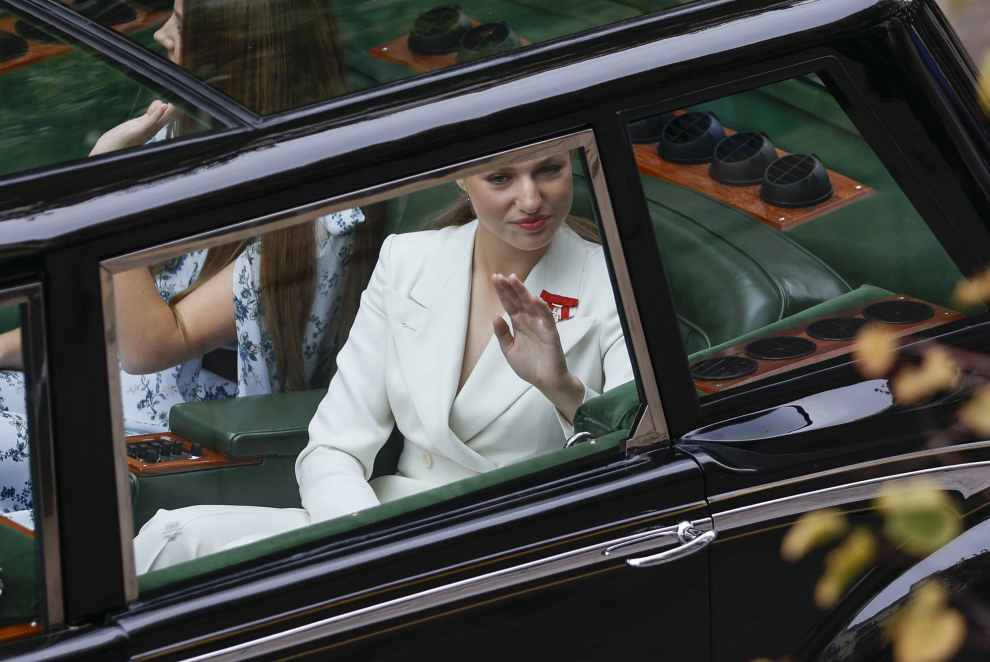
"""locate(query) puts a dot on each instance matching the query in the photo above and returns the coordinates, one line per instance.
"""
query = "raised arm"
(153, 336)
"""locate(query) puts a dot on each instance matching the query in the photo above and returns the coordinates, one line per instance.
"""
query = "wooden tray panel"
(827, 349)
(38, 52)
(747, 198)
(210, 459)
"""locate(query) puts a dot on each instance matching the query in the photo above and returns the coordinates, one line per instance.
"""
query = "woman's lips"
(534, 224)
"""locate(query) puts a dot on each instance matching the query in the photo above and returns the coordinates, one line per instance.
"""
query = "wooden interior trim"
(12, 633)
(827, 349)
(398, 51)
(747, 198)
(209, 460)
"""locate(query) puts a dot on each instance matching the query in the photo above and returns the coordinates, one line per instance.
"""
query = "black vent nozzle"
(485, 40)
(649, 130)
(742, 158)
(690, 138)
(796, 180)
(439, 31)
(11, 46)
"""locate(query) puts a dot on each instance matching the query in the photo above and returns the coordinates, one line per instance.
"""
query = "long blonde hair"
(263, 53)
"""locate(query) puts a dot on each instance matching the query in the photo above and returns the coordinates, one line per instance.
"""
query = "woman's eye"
(498, 179)
(550, 170)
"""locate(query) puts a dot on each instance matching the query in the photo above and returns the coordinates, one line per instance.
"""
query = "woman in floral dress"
(287, 287)
(147, 398)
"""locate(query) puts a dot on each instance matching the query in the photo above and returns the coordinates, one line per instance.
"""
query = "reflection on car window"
(19, 596)
(361, 362)
(782, 234)
(320, 50)
(59, 103)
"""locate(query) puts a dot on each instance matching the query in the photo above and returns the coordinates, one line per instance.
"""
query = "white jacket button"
(427, 460)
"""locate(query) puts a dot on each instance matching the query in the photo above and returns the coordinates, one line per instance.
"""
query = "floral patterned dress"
(147, 399)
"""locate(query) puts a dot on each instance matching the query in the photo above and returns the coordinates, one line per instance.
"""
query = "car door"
(770, 293)
(567, 553)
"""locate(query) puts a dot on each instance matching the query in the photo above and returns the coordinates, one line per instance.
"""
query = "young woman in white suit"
(453, 344)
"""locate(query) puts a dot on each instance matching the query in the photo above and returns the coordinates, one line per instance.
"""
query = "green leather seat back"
(10, 318)
(19, 574)
(880, 240)
(729, 273)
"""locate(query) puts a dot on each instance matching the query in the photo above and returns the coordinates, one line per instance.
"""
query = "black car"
(765, 178)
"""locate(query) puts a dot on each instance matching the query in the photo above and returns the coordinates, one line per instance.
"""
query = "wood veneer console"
(747, 198)
(209, 460)
(39, 52)
(826, 349)
(398, 51)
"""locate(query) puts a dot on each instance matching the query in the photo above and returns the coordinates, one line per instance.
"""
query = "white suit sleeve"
(354, 420)
(616, 365)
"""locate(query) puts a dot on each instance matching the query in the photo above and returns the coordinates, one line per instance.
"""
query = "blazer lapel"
(493, 386)
(429, 328)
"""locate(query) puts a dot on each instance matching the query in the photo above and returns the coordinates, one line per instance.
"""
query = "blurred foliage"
(926, 629)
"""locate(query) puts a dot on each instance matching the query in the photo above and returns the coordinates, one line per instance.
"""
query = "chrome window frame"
(651, 427)
(40, 443)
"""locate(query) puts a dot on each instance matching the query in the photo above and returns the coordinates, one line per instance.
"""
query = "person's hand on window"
(533, 347)
(135, 132)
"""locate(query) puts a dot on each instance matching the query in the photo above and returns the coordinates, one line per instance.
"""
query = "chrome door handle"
(692, 540)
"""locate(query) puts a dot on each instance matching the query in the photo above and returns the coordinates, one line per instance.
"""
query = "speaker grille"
(835, 328)
(780, 348)
(724, 368)
(898, 312)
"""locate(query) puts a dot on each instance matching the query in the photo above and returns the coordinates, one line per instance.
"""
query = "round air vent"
(439, 31)
(796, 180)
(28, 31)
(898, 312)
(154, 5)
(105, 12)
(690, 138)
(649, 130)
(835, 328)
(724, 368)
(780, 348)
(11, 46)
(742, 158)
(487, 39)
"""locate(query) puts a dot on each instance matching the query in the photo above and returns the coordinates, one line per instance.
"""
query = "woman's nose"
(529, 198)
(163, 37)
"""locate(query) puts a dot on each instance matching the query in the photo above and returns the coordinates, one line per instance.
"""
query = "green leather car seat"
(18, 572)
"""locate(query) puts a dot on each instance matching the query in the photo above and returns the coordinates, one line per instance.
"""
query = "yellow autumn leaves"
(918, 519)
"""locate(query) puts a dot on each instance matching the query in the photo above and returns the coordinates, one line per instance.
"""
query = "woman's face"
(524, 204)
(168, 35)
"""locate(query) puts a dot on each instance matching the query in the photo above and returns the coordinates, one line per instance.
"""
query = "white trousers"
(173, 536)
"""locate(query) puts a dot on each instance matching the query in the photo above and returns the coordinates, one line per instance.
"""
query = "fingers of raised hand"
(506, 295)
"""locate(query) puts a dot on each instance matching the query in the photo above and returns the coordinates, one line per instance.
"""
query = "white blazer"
(402, 363)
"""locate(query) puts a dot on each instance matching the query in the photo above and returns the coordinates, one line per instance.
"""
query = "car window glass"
(375, 301)
(277, 55)
(20, 579)
(60, 103)
(782, 234)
